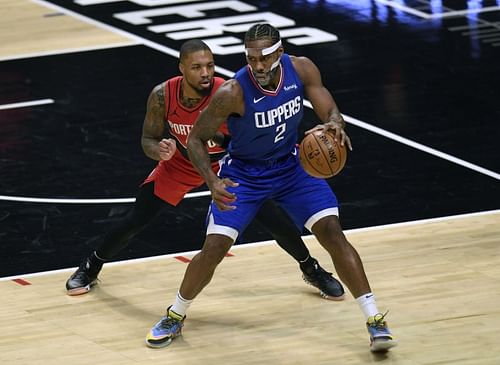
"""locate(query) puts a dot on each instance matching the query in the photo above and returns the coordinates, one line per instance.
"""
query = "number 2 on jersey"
(280, 130)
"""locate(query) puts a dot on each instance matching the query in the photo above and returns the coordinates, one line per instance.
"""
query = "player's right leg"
(223, 227)
(198, 274)
(146, 207)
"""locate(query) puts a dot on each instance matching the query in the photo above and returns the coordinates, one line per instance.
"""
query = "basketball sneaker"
(85, 277)
(329, 287)
(164, 332)
(381, 339)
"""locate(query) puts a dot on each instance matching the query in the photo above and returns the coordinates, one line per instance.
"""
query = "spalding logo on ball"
(321, 156)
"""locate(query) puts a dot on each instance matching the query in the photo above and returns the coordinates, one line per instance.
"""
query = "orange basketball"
(321, 156)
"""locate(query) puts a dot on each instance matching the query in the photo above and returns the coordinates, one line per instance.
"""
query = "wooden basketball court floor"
(439, 278)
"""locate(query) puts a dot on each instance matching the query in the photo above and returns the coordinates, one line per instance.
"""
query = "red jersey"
(180, 119)
(177, 176)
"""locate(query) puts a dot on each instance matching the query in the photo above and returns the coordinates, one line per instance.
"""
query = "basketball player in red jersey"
(176, 104)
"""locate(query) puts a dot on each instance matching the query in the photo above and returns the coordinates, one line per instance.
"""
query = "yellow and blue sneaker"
(381, 339)
(164, 332)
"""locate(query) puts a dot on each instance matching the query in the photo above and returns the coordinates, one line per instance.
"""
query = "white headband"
(271, 49)
(268, 50)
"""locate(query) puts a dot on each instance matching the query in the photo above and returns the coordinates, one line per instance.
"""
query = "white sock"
(180, 305)
(367, 304)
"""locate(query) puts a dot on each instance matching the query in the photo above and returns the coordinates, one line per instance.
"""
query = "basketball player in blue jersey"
(263, 106)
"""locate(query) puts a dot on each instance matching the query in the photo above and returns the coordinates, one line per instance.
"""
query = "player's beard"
(269, 77)
(202, 90)
(205, 91)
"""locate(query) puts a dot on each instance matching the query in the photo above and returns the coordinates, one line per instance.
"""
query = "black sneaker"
(84, 278)
(329, 287)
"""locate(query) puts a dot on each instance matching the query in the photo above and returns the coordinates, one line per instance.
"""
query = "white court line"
(348, 119)
(25, 104)
(457, 13)
(447, 14)
(490, 40)
(68, 50)
(404, 8)
(421, 147)
(87, 201)
(228, 73)
(480, 32)
(146, 42)
(476, 26)
(262, 243)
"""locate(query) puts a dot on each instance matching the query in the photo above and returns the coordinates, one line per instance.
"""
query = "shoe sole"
(160, 344)
(78, 291)
(81, 290)
(324, 295)
(382, 345)
(329, 297)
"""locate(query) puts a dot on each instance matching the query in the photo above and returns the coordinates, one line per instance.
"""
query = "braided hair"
(262, 31)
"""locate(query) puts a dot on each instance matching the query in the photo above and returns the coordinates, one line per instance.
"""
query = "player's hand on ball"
(167, 149)
(221, 197)
(336, 129)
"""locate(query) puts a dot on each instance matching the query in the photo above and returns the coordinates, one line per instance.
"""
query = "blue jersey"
(263, 159)
(268, 129)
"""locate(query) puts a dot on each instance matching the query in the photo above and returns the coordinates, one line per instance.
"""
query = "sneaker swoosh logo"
(368, 296)
(255, 101)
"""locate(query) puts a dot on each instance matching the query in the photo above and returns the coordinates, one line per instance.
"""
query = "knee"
(214, 251)
(329, 231)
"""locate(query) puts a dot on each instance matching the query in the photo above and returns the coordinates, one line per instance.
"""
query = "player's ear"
(181, 68)
(281, 50)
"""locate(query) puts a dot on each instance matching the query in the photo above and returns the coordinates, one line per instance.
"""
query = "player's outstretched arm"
(321, 99)
(227, 100)
(153, 143)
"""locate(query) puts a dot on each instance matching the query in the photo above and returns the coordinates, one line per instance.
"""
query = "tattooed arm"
(153, 143)
(227, 100)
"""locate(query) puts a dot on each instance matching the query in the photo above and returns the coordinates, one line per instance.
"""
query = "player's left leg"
(350, 269)
(345, 258)
(146, 207)
(275, 220)
(311, 203)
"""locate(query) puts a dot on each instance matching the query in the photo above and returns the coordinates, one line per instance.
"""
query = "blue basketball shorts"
(305, 198)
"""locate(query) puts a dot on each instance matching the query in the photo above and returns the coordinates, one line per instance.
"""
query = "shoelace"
(378, 320)
(321, 273)
(167, 322)
(80, 274)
